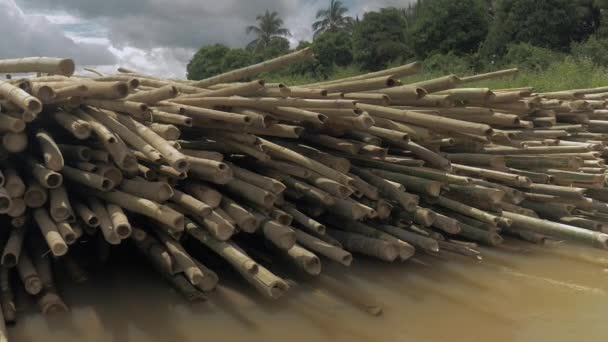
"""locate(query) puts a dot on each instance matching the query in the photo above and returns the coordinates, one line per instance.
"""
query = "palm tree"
(270, 28)
(332, 18)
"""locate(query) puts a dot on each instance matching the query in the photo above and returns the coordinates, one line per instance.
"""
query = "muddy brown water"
(519, 292)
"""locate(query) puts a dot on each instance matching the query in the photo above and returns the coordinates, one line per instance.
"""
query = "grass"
(569, 73)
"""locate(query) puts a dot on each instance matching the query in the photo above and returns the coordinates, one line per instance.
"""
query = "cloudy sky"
(152, 36)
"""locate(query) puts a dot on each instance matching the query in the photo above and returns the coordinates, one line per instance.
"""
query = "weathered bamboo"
(12, 249)
(59, 207)
(323, 248)
(559, 230)
(20, 98)
(365, 245)
(29, 276)
(13, 183)
(273, 64)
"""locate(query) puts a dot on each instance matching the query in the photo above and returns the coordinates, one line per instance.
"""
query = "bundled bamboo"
(307, 174)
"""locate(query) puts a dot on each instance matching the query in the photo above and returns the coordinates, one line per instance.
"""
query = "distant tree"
(270, 29)
(334, 48)
(447, 26)
(236, 58)
(379, 39)
(551, 24)
(207, 61)
(332, 19)
(277, 47)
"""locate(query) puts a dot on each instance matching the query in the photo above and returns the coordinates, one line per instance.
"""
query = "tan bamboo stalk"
(421, 216)
(287, 154)
(306, 191)
(426, 120)
(321, 247)
(556, 190)
(251, 192)
(471, 211)
(226, 249)
(204, 193)
(57, 66)
(367, 84)
(489, 75)
(49, 230)
(245, 220)
(153, 191)
(75, 153)
(88, 179)
(170, 118)
(35, 195)
(267, 102)
(305, 260)
(75, 90)
(154, 95)
(17, 207)
(14, 142)
(28, 274)
(401, 94)
(44, 176)
(13, 183)
(144, 207)
(78, 127)
(416, 240)
(302, 219)
(119, 220)
(358, 243)
(11, 124)
(167, 132)
(504, 177)
(281, 236)
(129, 135)
(559, 230)
(298, 114)
(59, 207)
(20, 98)
(7, 300)
(12, 249)
(85, 214)
(66, 232)
(270, 65)
(5, 201)
(175, 158)
(191, 203)
(105, 222)
(407, 201)
(42, 92)
(471, 159)
(397, 72)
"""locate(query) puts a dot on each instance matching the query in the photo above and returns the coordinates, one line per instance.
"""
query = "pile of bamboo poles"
(248, 175)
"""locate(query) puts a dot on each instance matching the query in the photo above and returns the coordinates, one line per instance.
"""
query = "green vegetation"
(557, 44)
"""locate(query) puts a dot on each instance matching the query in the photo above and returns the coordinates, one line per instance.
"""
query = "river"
(518, 292)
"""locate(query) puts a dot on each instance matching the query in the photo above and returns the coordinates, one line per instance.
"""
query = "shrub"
(207, 61)
(594, 49)
(530, 57)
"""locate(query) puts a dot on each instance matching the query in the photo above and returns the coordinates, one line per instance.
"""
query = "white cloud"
(34, 35)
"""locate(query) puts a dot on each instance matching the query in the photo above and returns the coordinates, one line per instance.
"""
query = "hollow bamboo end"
(346, 259)
(278, 289)
(313, 265)
(9, 260)
(59, 248)
(53, 180)
(107, 184)
(123, 231)
(420, 93)
(67, 67)
(5, 204)
(603, 241)
(248, 225)
(69, 238)
(33, 285)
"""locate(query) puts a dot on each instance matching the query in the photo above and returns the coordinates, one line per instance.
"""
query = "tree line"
(475, 35)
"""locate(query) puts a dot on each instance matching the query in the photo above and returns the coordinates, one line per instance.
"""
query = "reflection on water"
(519, 292)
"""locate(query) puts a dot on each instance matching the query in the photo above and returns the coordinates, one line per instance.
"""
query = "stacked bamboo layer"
(248, 175)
